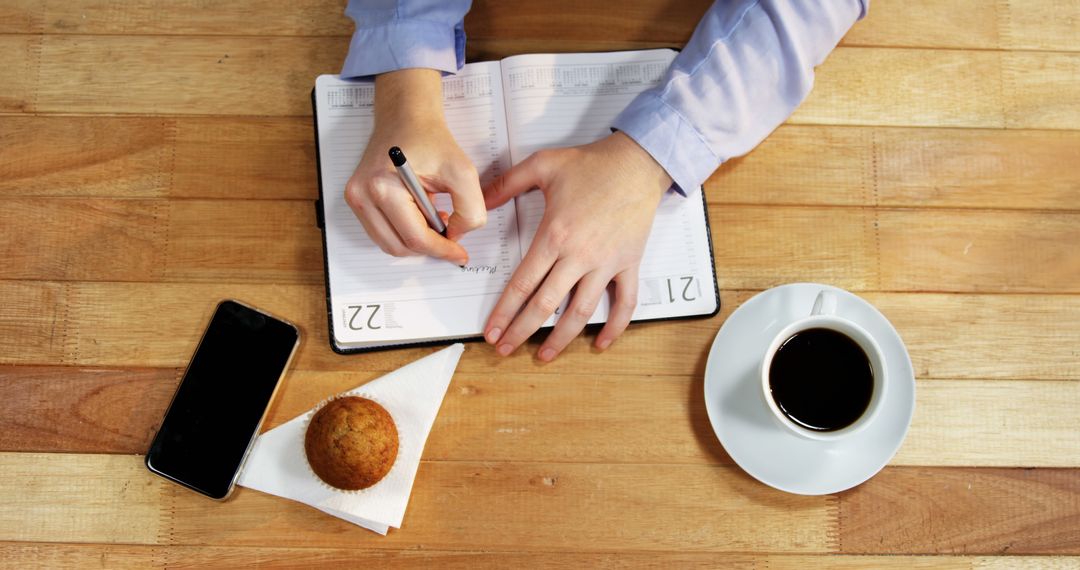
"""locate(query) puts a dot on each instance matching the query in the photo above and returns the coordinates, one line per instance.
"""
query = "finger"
(540, 307)
(468, 199)
(405, 217)
(586, 297)
(523, 283)
(525, 176)
(376, 225)
(622, 308)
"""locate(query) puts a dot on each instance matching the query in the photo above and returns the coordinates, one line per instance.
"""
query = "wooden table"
(157, 156)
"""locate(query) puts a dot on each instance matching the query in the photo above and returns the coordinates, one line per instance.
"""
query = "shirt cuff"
(404, 44)
(670, 139)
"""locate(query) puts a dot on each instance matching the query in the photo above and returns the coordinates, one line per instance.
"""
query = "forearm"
(747, 67)
(408, 96)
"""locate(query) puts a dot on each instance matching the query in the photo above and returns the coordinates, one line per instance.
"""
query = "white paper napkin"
(412, 394)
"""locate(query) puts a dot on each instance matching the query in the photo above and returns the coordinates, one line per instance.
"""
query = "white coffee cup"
(823, 315)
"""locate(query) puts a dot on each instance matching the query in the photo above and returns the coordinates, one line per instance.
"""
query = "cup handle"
(824, 304)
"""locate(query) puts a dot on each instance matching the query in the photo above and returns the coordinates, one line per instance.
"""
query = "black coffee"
(821, 379)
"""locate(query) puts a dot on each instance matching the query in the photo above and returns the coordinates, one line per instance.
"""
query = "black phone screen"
(222, 399)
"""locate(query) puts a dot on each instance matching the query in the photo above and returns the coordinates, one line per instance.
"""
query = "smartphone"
(222, 399)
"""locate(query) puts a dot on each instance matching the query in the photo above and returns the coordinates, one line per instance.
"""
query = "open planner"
(500, 112)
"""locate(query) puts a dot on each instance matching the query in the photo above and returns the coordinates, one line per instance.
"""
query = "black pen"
(419, 194)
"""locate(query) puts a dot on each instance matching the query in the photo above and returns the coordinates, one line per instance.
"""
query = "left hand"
(600, 201)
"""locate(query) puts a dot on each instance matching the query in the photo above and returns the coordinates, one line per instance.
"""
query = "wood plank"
(63, 238)
(20, 17)
(994, 423)
(525, 506)
(86, 410)
(250, 158)
(1040, 24)
(145, 157)
(277, 241)
(66, 555)
(909, 87)
(190, 17)
(273, 158)
(79, 498)
(33, 322)
(972, 24)
(658, 419)
(56, 555)
(834, 245)
(1010, 562)
(979, 251)
(1042, 90)
(986, 336)
(263, 241)
(129, 157)
(157, 325)
(22, 54)
(961, 24)
(975, 168)
(222, 75)
(460, 505)
(803, 165)
(963, 511)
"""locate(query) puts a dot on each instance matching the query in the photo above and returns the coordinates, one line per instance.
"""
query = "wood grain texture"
(238, 76)
(525, 506)
(157, 325)
(909, 87)
(66, 238)
(65, 555)
(234, 76)
(143, 157)
(1042, 24)
(1042, 90)
(263, 241)
(76, 498)
(936, 168)
(89, 410)
(246, 158)
(128, 157)
(963, 511)
(979, 251)
(33, 321)
(962, 24)
(273, 158)
(567, 507)
(855, 248)
(543, 417)
(22, 55)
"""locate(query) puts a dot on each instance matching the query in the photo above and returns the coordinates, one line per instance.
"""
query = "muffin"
(351, 443)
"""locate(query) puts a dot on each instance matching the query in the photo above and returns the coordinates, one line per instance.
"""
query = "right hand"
(408, 114)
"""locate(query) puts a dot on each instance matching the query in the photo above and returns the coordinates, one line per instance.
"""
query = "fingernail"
(493, 335)
(505, 349)
(602, 345)
(547, 354)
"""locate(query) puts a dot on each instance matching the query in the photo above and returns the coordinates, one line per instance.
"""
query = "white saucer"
(754, 438)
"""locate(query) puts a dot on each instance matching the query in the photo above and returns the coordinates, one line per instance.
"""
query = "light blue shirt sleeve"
(749, 64)
(399, 34)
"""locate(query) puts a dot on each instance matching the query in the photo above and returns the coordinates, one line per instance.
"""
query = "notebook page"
(380, 299)
(572, 99)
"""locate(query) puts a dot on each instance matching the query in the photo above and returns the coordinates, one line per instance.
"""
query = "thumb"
(520, 178)
(469, 212)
